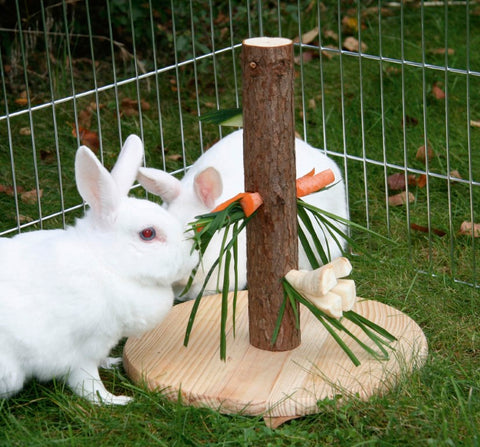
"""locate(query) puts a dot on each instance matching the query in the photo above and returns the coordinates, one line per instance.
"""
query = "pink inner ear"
(208, 186)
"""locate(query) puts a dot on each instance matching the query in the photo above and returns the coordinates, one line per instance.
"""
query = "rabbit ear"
(208, 186)
(126, 167)
(159, 183)
(95, 184)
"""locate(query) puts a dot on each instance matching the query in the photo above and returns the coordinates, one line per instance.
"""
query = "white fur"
(68, 296)
(217, 176)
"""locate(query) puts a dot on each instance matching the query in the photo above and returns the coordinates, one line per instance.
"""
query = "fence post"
(269, 160)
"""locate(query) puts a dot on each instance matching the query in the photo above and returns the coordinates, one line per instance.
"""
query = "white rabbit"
(217, 176)
(68, 296)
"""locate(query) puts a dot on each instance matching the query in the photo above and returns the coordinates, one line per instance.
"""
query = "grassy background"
(438, 405)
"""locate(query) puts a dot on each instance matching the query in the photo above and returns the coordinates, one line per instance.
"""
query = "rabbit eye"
(148, 234)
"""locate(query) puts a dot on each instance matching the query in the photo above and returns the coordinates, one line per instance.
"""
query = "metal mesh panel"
(82, 72)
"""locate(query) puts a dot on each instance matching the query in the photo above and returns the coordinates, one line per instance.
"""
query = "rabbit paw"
(111, 362)
(86, 382)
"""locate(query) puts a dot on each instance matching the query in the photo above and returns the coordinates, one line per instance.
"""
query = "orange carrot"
(223, 205)
(250, 202)
(307, 175)
(309, 183)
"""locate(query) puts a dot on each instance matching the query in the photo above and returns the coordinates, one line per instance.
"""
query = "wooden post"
(269, 160)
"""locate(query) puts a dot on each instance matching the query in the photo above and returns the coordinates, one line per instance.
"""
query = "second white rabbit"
(217, 176)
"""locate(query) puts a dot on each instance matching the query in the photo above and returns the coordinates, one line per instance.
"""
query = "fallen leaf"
(401, 198)
(437, 91)
(47, 156)
(455, 174)
(396, 181)
(349, 24)
(469, 229)
(373, 10)
(22, 99)
(329, 34)
(329, 54)
(24, 219)
(88, 138)
(423, 229)
(7, 189)
(449, 51)
(352, 44)
(410, 121)
(421, 181)
(390, 70)
(25, 131)
(312, 104)
(308, 37)
(474, 123)
(85, 117)
(174, 157)
(31, 197)
(307, 56)
(129, 107)
(421, 153)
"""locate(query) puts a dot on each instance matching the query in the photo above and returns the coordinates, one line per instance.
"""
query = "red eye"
(148, 234)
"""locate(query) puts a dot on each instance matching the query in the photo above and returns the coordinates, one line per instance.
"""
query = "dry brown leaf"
(174, 157)
(7, 189)
(474, 123)
(396, 181)
(312, 104)
(469, 229)
(22, 99)
(308, 37)
(48, 156)
(421, 153)
(424, 229)
(307, 56)
(349, 24)
(437, 91)
(401, 198)
(31, 197)
(88, 138)
(455, 174)
(410, 121)
(329, 34)
(449, 51)
(352, 44)
(85, 117)
(421, 181)
(25, 131)
(129, 107)
(329, 54)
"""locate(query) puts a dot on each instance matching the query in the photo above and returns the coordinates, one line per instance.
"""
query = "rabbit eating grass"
(68, 296)
(217, 176)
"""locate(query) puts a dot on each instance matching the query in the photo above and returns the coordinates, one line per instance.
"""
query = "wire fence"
(376, 82)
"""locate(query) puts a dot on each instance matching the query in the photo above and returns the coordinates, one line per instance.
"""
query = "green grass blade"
(224, 117)
(281, 312)
(224, 312)
(351, 315)
(312, 259)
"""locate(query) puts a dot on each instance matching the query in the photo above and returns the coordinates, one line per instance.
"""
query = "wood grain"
(258, 382)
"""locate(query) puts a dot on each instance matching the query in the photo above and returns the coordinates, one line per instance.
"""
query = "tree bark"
(269, 160)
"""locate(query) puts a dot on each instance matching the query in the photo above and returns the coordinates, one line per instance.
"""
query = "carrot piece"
(307, 175)
(224, 205)
(309, 184)
(251, 202)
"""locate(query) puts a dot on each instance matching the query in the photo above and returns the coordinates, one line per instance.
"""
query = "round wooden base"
(278, 385)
